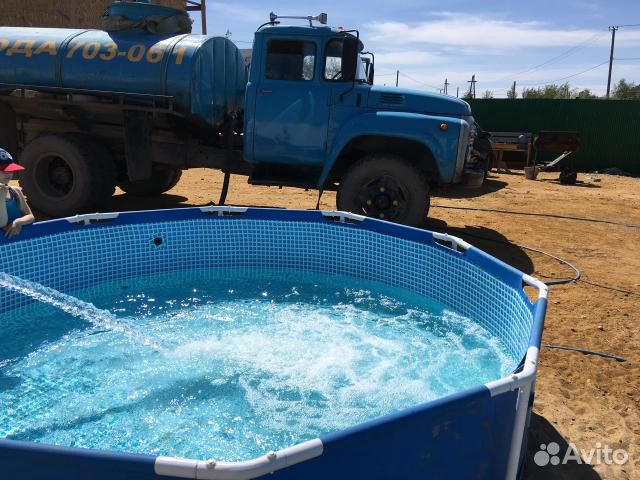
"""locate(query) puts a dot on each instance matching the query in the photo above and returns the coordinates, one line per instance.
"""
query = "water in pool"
(228, 364)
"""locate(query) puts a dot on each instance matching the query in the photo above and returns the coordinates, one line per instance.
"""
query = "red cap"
(7, 164)
(10, 167)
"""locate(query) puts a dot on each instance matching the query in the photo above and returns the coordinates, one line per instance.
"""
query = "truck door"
(291, 109)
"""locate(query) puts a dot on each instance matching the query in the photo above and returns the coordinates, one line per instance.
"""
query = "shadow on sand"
(578, 183)
(541, 432)
(488, 240)
(490, 185)
(120, 203)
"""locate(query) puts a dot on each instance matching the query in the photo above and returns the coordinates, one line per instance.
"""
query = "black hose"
(555, 282)
(607, 287)
(225, 188)
(586, 352)
(534, 214)
(561, 281)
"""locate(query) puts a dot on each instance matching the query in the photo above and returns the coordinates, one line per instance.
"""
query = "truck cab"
(314, 119)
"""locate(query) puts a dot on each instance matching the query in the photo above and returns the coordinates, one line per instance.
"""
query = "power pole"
(513, 90)
(446, 85)
(612, 29)
(457, 92)
(472, 86)
(397, 76)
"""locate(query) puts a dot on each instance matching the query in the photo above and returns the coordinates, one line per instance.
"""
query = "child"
(14, 211)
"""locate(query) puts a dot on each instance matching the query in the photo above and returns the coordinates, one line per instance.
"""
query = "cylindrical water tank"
(206, 76)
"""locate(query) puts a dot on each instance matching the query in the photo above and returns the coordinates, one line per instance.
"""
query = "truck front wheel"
(163, 178)
(67, 174)
(387, 187)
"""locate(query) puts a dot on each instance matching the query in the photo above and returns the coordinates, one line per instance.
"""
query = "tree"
(487, 94)
(624, 90)
(468, 95)
(550, 91)
(511, 93)
(585, 94)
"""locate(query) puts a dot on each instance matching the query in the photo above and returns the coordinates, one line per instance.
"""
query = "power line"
(420, 84)
(557, 57)
(565, 78)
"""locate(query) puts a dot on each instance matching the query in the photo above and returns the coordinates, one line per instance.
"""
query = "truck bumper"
(465, 143)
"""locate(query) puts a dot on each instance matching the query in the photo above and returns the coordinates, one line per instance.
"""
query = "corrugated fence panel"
(609, 129)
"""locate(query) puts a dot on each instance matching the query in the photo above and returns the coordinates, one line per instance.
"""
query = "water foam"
(250, 364)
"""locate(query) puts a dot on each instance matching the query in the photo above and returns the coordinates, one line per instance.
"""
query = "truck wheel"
(387, 187)
(67, 174)
(163, 178)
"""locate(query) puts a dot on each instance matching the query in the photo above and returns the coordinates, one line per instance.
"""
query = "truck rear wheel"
(387, 187)
(67, 174)
(163, 178)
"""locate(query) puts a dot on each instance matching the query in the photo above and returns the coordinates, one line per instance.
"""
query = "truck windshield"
(333, 62)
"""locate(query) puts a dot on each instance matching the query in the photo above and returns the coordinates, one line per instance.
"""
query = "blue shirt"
(13, 207)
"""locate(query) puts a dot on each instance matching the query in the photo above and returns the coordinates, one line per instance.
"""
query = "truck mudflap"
(473, 177)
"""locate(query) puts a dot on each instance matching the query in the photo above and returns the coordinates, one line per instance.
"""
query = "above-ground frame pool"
(235, 343)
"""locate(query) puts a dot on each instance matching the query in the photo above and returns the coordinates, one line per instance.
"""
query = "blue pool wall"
(466, 435)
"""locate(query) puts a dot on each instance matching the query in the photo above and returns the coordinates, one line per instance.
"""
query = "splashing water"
(101, 319)
(251, 362)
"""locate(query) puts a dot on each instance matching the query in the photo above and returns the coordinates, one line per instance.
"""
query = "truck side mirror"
(371, 74)
(349, 58)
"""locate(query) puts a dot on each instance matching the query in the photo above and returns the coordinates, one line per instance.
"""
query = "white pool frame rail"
(213, 470)
(524, 382)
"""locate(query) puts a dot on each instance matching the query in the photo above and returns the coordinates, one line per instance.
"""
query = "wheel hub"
(384, 198)
(60, 176)
(54, 176)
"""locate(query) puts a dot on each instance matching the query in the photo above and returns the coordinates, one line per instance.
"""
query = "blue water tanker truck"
(136, 103)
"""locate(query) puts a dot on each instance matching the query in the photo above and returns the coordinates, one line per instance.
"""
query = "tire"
(387, 187)
(67, 174)
(163, 178)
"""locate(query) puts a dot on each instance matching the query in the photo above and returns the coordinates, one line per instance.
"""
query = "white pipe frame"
(212, 470)
(524, 382)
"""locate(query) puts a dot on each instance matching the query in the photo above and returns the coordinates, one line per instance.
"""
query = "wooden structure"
(564, 143)
(61, 13)
(510, 142)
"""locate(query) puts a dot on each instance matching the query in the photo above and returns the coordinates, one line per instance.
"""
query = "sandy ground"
(585, 400)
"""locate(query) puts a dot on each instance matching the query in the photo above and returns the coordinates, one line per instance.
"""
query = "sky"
(532, 43)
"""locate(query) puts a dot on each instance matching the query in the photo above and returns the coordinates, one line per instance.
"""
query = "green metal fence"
(609, 129)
